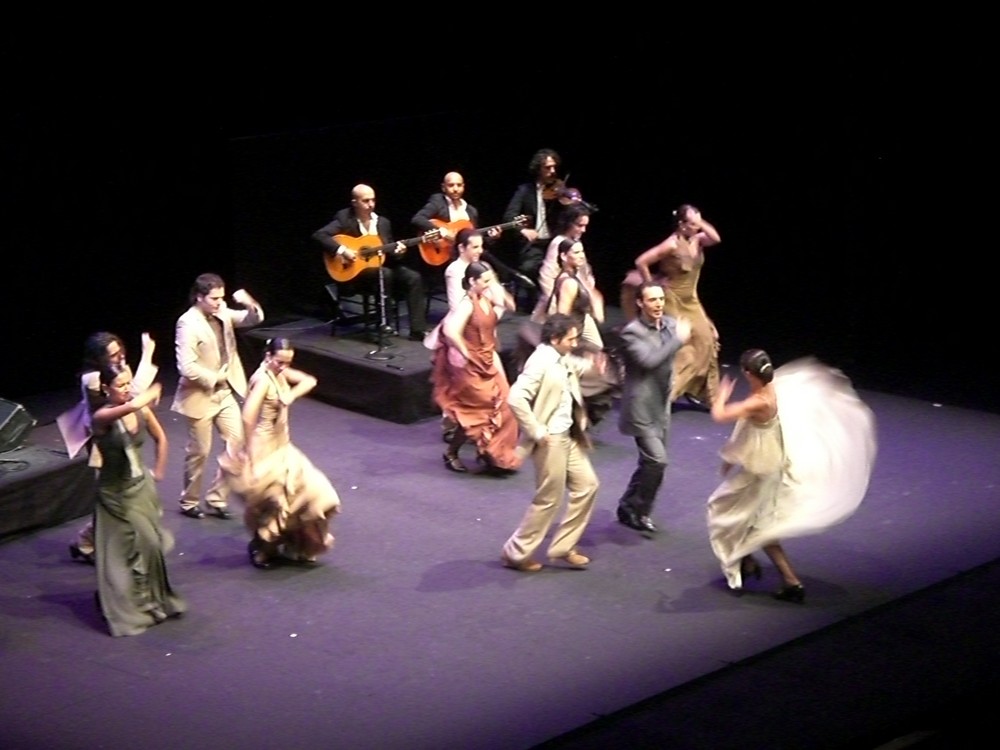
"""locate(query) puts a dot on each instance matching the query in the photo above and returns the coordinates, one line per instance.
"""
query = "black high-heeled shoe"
(795, 594)
(487, 466)
(80, 556)
(750, 568)
(257, 557)
(453, 463)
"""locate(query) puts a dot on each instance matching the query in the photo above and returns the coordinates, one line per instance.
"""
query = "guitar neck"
(508, 225)
(391, 247)
(369, 252)
(518, 222)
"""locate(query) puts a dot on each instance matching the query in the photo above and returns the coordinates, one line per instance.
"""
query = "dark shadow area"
(231, 161)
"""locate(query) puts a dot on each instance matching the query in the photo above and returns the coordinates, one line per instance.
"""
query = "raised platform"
(41, 487)
(391, 384)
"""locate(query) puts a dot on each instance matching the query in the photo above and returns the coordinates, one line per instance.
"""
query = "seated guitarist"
(401, 282)
(447, 206)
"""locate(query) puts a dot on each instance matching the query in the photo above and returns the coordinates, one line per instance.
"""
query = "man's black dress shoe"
(647, 524)
(192, 512)
(417, 335)
(77, 554)
(697, 404)
(222, 513)
(795, 594)
(628, 518)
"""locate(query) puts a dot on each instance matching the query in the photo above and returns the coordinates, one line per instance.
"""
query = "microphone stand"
(380, 354)
(506, 270)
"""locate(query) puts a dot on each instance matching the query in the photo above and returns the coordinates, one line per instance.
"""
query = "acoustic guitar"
(368, 255)
(439, 251)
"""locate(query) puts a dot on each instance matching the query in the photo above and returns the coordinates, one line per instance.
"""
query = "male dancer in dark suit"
(649, 344)
(359, 220)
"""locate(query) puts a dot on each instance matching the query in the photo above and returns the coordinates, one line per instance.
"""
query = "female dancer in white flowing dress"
(803, 449)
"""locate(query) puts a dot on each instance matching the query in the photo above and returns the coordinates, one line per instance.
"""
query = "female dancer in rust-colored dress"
(469, 382)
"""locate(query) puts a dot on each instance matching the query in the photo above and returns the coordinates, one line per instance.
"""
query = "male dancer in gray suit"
(547, 403)
(210, 371)
(648, 346)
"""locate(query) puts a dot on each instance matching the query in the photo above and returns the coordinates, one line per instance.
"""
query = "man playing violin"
(402, 282)
(538, 200)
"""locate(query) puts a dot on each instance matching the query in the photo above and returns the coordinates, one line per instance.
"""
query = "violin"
(552, 191)
(557, 190)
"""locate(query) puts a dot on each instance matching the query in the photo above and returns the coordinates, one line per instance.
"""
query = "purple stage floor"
(411, 634)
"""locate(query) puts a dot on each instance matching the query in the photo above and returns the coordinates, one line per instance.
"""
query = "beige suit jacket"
(537, 392)
(199, 361)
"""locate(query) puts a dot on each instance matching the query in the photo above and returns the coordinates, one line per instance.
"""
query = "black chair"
(435, 291)
(353, 307)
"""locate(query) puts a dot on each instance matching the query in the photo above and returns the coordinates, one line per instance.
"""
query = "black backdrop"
(124, 177)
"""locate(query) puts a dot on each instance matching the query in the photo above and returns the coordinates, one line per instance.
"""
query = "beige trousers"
(560, 466)
(229, 421)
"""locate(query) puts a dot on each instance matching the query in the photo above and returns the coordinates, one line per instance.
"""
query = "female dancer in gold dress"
(289, 502)
(677, 262)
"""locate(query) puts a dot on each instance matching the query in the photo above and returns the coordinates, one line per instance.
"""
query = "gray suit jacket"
(198, 360)
(649, 362)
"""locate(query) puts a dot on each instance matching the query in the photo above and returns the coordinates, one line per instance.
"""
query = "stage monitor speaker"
(15, 424)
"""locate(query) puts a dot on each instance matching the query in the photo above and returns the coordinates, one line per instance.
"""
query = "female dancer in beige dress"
(794, 475)
(288, 500)
(575, 293)
(468, 379)
(133, 591)
(678, 261)
(101, 350)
